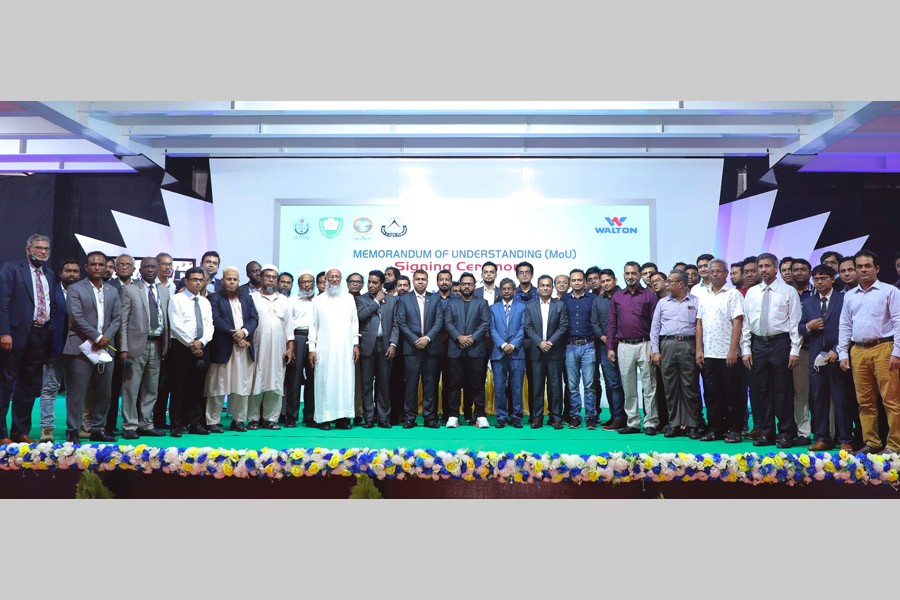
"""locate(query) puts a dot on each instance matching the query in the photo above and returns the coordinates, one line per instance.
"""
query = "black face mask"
(37, 262)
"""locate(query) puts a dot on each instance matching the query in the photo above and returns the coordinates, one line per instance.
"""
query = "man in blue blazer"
(420, 319)
(26, 307)
(547, 326)
(508, 354)
(828, 384)
(468, 322)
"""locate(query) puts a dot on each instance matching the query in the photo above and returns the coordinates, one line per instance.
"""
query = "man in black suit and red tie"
(547, 325)
(26, 305)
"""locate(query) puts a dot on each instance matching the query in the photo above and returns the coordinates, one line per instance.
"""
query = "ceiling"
(103, 136)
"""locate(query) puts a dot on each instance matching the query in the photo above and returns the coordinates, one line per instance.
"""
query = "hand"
(312, 358)
(238, 335)
(611, 355)
(464, 341)
(748, 361)
(390, 352)
(603, 339)
(845, 364)
(793, 361)
(546, 346)
(815, 324)
(421, 343)
(698, 358)
(197, 351)
(123, 356)
(894, 364)
(194, 346)
(289, 355)
(509, 349)
(355, 353)
(831, 356)
(103, 343)
(656, 358)
(379, 296)
(732, 358)
(6, 343)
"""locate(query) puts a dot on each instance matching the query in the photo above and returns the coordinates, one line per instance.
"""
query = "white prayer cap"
(306, 272)
(269, 267)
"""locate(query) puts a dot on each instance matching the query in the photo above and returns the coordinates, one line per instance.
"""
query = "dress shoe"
(847, 447)
(150, 432)
(557, 425)
(651, 431)
(100, 435)
(752, 434)
(693, 433)
(290, 423)
(629, 429)
(71, 437)
(84, 434)
(609, 421)
(162, 426)
(516, 423)
(237, 426)
(343, 424)
(281, 419)
(384, 424)
(482, 423)
(732, 437)
(820, 446)
(269, 425)
(368, 424)
(889, 451)
(802, 440)
(500, 424)
(326, 426)
(23, 439)
(867, 449)
(176, 431)
(409, 424)
(46, 434)
(673, 432)
(471, 421)
(309, 422)
(130, 434)
(591, 424)
(613, 425)
(763, 440)
(432, 424)
(786, 441)
(357, 421)
(253, 425)
(217, 428)
(575, 424)
(537, 423)
(198, 429)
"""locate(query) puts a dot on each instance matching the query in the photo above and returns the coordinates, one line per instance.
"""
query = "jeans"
(54, 373)
(614, 392)
(580, 361)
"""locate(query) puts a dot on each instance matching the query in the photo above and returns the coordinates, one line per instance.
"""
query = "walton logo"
(616, 225)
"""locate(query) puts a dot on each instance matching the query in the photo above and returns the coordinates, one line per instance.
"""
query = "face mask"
(37, 262)
(820, 361)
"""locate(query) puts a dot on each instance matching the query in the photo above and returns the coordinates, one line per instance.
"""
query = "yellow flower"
(492, 455)
(878, 458)
(193, 452)
(264, 449)
(213, 454)
(376, 460)
(270, 468)
(768, 460)
(235, 455)
(829, 466)
(227, 469)
(843, 454)
(334, 461)
(732, 476)
(297, 454)
(648, 463)
(451, 465)
(313, 468)
(860, 472)
(593, 475)
(470, 463)
(538, 465)
(707, 461)
(296, 471)
(85, 461)
(804, 460)
(252, 454)
(778, 461)
(684, 456)
(139, 449)
(390, 469)
(892, 475)
(517, 477)
(349, 453)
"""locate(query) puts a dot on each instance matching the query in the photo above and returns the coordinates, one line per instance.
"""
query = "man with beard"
(254, 282)
(445, 285)
(379, 336)
(737, 275)
(273, 346)
(110, 269)
(611, 376)
(333, 352)
(26, 307)
(301, 372)
(285, 284)
(231, 353)
(547, 324)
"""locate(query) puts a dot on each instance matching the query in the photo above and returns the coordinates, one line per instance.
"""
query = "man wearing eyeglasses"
(25, 337)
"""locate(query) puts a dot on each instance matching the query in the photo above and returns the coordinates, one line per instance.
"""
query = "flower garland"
(517, 467)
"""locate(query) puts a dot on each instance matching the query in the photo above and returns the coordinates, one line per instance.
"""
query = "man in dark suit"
(508, 355)
(547, 325)
(69, 272)
(379, 336)
(468, 323)
(254, 282)
(489, 292)
(828, 384)
(420, 319)
(123, 279)
(210, 263)
(94, 316)
(26, 307)
(143, 343)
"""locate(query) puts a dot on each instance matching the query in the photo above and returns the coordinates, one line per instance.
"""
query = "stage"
(465, 462)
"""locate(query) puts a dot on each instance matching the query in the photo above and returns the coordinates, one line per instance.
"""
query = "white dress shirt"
(869, 315)
(784, 314)
(182, 321)
(47, 292)
(301, 312)
(545, 316)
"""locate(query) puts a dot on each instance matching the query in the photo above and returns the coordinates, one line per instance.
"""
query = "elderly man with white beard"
(301, 373)
(272, 343)
(333, 352)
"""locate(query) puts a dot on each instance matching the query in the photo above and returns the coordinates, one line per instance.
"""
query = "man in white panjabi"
(333, 352)
(272, 343)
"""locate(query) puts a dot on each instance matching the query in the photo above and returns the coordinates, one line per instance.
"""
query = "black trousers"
(725, 395)
(296, 375)
(376, 376)
(21, 377)
(112, 414)
(549, 374)
(466, 376)
(424, 366)
(397, 387)
(774, 386)
(187, 375)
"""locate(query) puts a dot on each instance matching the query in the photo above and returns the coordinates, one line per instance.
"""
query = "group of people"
(818, 361)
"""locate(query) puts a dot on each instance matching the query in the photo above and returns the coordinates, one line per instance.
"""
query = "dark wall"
(26, 207)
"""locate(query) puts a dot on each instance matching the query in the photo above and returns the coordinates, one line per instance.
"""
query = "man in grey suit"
(94, 316)
(379, 337)
(143, 342)
(547, 326)
(468, 321)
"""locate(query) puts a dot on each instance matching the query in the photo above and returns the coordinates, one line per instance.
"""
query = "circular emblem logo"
(301, 226)
(363, 225)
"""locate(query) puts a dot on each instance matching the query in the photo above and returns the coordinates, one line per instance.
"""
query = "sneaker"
(46, 434)
(592, 423)
(482, 423)
(453, 422)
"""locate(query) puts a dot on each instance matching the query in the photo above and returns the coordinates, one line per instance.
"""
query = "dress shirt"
(784, 314)
(673, 317)
(155, 328)
(630, 315)
(237, 312)
(301, 312)
(489, 295)
(579, 310)
(545, 316)
(101, 310)
(869, 315)
(47, 291)
(169, 284)
(182, 322)
(716, 312)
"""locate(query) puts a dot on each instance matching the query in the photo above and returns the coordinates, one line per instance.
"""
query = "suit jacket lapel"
(27, 275)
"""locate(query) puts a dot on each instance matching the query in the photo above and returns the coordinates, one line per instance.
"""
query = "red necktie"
(41, 298)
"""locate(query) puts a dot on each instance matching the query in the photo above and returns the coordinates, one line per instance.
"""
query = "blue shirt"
(580, 315)
(673, 317)
(525, 297)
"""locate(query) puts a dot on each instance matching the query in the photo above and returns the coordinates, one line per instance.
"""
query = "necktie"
(154, 309)
(764, 313)
(824, 306)
(41, 298)
(507, 307)
(199, 317)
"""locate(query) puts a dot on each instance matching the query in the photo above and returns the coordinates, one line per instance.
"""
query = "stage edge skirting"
(519, 467)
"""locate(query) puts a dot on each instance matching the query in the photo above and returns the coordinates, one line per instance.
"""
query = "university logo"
(363, 225)
(331, 227)
(393, 227)
(301, 226)
(616, 221)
